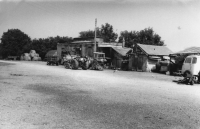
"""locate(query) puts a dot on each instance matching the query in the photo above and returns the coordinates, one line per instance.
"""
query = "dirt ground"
(36, 96)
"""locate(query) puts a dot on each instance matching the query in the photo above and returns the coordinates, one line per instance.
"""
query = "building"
(79, 46)
(144, 57)
(119, 57)
(114, 51)
(107, 48)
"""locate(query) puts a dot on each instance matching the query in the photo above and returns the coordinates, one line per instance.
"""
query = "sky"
(176, 21)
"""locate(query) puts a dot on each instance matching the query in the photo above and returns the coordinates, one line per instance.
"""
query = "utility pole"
(95, 34)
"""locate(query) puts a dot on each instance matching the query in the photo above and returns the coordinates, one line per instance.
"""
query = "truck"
(52, 60)
(191, 64)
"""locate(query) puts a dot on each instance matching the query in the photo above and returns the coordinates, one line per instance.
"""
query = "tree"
(106, 32)
(1, 50)
(86, 34)
(90, 33)
(129, 37)
(146, 36)
(13, 42)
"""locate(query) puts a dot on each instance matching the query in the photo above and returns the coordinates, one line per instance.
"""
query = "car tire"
(187, 71)
(86, 65)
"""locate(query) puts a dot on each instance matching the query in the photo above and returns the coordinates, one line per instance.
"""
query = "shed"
(107, 48)
(144, 57)
(119, 57)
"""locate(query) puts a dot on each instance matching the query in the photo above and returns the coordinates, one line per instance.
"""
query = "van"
(191, 64)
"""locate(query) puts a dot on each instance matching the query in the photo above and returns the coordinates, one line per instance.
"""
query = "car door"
(194, 66)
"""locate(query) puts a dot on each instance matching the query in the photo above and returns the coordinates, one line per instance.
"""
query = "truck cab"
(191, 64)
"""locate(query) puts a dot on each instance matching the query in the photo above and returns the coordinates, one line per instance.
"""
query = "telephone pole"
(95, 34)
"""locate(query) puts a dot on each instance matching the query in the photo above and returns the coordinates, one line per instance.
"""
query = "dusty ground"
(36, 96)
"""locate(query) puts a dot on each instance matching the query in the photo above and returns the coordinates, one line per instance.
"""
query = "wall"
(117, 60)
(138, 63)
(82, 49)
(145, 64)
(59, 49)
(150, 64)
(89, 49)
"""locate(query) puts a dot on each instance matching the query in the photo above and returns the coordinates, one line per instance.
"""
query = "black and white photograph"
(99, 64)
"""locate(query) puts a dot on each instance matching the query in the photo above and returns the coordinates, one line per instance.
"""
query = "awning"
(154, 57)
(166, 57)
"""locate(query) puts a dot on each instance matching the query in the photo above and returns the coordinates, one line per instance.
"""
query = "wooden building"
(119, 57)
(144, 57)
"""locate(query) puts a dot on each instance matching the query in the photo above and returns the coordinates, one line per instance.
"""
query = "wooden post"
(95, 45)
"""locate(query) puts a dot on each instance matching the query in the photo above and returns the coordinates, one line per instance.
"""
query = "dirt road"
(36, 96)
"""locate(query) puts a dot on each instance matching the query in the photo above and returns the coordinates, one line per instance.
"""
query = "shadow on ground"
(113, 115)
(5, 64)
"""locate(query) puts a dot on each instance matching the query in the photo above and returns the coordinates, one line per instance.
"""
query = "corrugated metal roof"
(191, 50)
(122, 51)
(155, 50)
(51, 53)
(85, 41)
(104, 44)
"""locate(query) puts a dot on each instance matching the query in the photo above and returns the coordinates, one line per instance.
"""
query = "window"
(188, 60)
(194, 60)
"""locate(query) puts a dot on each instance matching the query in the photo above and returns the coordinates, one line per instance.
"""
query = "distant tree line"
(14, 42)
(106, 32)
(146, 36)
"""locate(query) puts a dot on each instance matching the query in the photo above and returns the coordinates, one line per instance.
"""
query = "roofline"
(75, 42)
(123, 48)
(150, 54)
(81, 42)
(142, 50)
(185, 53)
(92, 37)
(158, 55)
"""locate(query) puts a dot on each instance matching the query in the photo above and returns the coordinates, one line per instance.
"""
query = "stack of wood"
(30, 56)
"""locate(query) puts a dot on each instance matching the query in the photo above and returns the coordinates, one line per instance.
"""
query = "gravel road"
(36, 96)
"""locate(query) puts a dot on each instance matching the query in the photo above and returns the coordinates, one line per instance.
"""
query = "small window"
(188, 60)
(194, 60)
